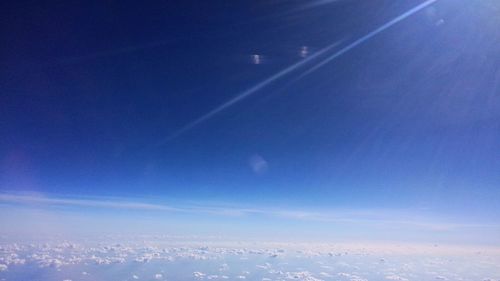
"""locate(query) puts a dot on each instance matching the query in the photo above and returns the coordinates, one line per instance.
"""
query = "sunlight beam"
(293, 67)
(247, 93)
(369, 36)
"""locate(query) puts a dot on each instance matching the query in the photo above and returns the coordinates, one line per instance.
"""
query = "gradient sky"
(95, 98)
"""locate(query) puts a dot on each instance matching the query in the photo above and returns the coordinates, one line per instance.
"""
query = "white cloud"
(301, 275)
(395, 278)
(68, 256)
(199, 275)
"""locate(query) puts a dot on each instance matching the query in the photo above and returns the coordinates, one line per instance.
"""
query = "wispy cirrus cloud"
(342, 216)
(101, 203)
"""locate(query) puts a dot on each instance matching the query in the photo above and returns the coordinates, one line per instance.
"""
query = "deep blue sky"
(408, 119)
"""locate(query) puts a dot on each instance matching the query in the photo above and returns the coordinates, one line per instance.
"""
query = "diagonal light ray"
(248, 92)
(318, 3)
(369, 36)
(295, 66)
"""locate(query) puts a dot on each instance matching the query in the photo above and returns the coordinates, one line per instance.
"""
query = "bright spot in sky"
(256, 59)
(258, 164)
(304, 51)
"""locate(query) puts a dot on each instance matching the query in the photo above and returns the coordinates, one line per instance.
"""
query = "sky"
(329, 119)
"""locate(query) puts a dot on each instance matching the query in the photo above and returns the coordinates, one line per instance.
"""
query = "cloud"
(199, 275)
(347, 217)
(23, 199)
(99, 255)
(396, 278)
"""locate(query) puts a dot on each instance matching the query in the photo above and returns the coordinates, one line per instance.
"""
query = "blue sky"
(116, 101)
